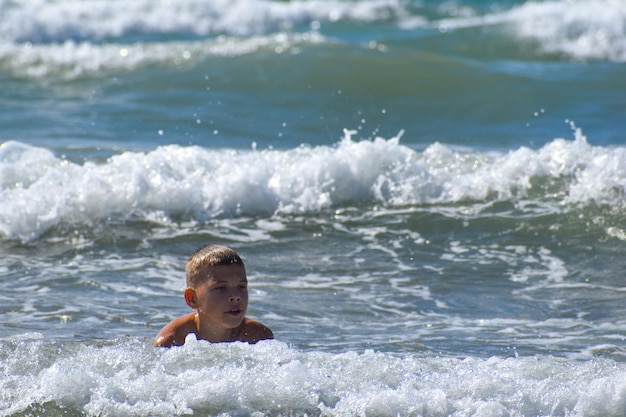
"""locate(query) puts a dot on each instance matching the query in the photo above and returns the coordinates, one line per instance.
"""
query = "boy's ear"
(190, 297)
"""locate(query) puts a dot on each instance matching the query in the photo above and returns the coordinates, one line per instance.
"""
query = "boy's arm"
(175, 332)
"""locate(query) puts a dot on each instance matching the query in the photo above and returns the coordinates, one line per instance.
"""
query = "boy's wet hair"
(209, 255)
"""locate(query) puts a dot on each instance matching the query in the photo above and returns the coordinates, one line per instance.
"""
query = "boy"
(217, 289)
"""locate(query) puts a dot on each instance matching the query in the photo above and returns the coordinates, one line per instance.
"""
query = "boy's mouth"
(234, 312)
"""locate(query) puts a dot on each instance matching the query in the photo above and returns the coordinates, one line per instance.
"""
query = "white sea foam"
(133, 378)
(73, 38)
(37, 21)
(41, 191)
(580, 29)
(71, 59)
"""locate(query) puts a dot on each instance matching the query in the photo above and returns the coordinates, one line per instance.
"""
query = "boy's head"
(209, 255)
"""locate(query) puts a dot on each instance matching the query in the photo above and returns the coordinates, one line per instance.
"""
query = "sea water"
(429, 197)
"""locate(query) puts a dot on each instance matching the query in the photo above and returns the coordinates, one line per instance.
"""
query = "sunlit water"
(429, 199)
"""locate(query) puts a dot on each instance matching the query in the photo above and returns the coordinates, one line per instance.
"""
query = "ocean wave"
(40, 190)
(71, 60)
(591, 29)
(577, 29)
(130, 377)
(39, 21)
(72, 38)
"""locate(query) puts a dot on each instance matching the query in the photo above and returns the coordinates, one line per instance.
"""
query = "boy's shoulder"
(253, 331)
(175, 332)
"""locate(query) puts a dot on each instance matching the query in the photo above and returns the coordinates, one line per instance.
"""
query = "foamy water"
(429, 198)
(41, 190)
(131, 378)
(74, 39)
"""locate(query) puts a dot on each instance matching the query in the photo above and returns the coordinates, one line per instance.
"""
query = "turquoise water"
(429, 198)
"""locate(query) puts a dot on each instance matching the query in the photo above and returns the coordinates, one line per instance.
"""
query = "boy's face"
(222, 299)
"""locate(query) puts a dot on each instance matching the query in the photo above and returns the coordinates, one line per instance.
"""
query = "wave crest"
(204, 184)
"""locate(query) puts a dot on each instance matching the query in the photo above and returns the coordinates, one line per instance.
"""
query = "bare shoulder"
(175, 332)
(254, 331)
